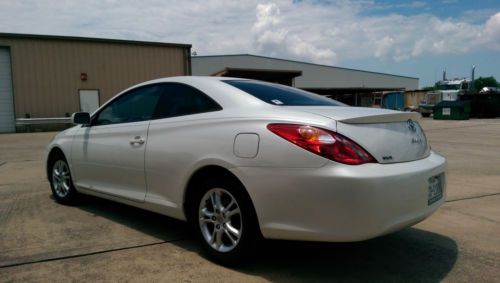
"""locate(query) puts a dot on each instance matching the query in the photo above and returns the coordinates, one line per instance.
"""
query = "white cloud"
(491, 32)
(273, 38)
(323, 32)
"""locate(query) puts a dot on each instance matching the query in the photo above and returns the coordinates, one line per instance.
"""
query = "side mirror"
(81, 118)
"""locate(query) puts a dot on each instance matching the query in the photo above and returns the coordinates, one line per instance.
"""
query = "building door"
(7, 116)
(89, 100)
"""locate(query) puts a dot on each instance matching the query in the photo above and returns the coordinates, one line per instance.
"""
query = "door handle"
(137, 140)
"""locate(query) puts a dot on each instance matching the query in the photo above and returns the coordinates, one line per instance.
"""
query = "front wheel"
(60, 181)
(225, 222)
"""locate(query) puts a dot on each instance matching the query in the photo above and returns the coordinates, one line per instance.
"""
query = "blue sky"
(429, 68)
(412, 38)
(440, 8)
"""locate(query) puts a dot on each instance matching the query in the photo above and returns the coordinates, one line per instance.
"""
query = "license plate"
(435, 192)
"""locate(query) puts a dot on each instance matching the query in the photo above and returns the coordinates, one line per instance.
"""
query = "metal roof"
(91, 39)
(302, 62)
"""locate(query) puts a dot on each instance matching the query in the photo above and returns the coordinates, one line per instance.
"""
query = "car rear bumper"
(342, 203)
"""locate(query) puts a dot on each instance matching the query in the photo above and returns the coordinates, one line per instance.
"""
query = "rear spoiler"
(383, 118)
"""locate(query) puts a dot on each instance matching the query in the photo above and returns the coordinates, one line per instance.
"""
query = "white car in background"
(241, 159)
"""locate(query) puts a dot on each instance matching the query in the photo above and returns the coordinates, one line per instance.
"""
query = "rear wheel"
(225, 221)
(60, 181)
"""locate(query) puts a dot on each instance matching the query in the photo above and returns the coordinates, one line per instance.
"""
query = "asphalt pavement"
(99, 240)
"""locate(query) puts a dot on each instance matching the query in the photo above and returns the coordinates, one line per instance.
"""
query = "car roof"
(188, 79)
(223, 93)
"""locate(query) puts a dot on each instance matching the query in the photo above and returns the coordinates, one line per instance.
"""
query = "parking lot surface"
(100, 240)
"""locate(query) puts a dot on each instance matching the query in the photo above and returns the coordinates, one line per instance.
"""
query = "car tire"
(61, 183)
(426, 114)
(224, 220)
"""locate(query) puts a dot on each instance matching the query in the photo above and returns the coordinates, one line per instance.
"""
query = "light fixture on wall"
(83, 76)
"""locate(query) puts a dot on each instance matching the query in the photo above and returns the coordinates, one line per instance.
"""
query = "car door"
(108, 155)
(174, 133)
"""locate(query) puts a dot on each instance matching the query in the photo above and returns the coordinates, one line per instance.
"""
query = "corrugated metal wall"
(46, 72)
(7, 121)
(313, 76)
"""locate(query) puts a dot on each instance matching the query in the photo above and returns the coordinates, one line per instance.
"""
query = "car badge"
(411, 125)
(417, 140)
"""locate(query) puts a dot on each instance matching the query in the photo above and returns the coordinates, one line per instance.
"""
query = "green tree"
(431, 88)
(481, 82)
(436, 85)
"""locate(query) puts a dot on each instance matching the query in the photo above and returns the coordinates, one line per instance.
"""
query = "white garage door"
(7, 120)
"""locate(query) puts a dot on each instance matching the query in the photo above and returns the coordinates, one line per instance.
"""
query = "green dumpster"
(452, 110)
(483, 105)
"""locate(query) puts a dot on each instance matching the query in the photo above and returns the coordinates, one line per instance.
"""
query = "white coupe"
(242, 159)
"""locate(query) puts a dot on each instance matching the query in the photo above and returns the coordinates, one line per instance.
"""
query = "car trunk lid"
(389, 136)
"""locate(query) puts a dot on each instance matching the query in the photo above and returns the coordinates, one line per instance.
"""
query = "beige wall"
(46, 72)
(413, 98)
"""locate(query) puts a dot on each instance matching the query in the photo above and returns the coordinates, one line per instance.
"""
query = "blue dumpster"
(393, 100)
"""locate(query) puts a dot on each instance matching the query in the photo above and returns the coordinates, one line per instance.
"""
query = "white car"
(241, 159)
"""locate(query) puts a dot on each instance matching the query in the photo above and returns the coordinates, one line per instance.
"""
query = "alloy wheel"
(220, 220)
(61, 178)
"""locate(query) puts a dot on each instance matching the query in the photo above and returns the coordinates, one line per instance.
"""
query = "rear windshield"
(282, 95)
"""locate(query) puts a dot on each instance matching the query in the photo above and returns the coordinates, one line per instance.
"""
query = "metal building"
(53, 76)
(322, 79)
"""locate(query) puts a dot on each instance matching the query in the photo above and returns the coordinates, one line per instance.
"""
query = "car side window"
(134, 106)
(180, 99)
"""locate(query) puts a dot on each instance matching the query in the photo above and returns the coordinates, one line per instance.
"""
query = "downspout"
(187, 61)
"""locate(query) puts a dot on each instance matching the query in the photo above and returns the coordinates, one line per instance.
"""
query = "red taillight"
(325, 143)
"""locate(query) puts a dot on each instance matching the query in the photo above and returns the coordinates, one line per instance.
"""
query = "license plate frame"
(434, 189)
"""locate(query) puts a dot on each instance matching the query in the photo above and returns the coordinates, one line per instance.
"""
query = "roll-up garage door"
(7, 119)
